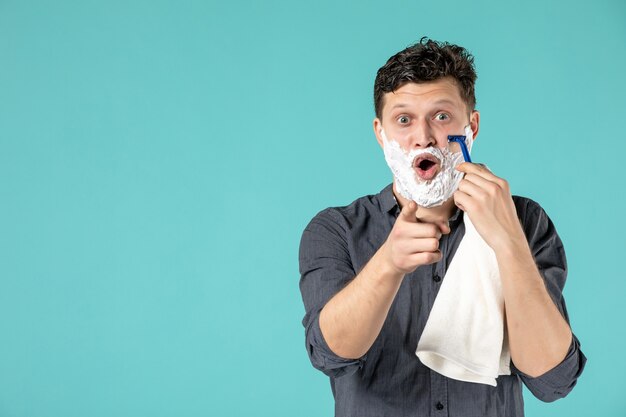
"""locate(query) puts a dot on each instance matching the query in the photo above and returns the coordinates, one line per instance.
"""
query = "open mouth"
(426, 166)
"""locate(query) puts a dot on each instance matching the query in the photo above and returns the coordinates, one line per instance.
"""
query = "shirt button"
(439, 406)
(436, 278)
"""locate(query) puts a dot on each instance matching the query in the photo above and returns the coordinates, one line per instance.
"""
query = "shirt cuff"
(560, 380)
(323, 358)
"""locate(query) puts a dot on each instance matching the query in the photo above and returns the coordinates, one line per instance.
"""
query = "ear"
(475, 122)
(378, 125)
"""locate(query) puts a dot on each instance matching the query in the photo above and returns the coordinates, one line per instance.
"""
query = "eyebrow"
(434, 103)
(444, 101)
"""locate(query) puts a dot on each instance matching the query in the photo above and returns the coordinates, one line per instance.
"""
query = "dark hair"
(427, 60)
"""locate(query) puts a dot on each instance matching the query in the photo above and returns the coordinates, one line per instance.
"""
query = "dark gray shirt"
(389, 380)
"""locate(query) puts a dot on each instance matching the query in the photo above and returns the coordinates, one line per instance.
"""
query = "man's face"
(418, 116)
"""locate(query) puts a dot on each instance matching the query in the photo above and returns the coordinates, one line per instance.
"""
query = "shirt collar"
(387, 199)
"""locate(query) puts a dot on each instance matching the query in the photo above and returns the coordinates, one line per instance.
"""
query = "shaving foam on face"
(431, 193)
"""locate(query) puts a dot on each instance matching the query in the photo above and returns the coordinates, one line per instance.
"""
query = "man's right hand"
(351, 320)
(412, 243)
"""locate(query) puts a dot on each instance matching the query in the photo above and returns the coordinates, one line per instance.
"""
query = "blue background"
(159, 161)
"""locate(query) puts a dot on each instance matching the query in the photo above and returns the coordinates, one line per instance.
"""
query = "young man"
(371, 271)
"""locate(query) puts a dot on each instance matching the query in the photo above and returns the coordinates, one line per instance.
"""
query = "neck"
(429, 215)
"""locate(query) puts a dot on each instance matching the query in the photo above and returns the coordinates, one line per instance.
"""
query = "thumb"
(409, 212)
(444, 227)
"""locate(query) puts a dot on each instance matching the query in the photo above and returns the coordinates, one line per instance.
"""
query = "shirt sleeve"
(549, 254)
(325, 268)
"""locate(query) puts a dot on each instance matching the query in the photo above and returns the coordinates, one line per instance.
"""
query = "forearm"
(539, 336)
(353, 318)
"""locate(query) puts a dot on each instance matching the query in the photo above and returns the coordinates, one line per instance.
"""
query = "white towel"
(465, 335)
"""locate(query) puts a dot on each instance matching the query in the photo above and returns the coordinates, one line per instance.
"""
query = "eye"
(403, 120)
(442, 116)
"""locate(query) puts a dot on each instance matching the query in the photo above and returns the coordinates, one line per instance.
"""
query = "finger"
(473, 189)
(444, 227)
(413, 246)
(471, 168)
(425, 258)
(422, 230)
(409, 212)
(480, 181)
(462, 200)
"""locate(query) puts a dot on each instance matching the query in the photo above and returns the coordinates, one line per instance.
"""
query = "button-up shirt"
(390, 380)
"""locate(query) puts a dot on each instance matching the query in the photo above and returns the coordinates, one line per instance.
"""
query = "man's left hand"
(487, 200)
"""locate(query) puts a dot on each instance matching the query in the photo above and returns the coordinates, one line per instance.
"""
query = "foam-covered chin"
(431, 193)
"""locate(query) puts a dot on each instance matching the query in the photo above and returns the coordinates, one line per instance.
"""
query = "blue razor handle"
(461, 141)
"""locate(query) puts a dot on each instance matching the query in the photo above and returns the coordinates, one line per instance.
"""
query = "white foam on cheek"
(469, 138)
(430, 193)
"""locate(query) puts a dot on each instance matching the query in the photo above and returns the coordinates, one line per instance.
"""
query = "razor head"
(456, 144)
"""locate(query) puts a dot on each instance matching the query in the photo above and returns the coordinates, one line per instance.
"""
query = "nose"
(422, 136)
